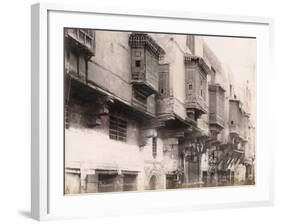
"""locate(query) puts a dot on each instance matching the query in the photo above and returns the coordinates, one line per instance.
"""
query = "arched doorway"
(152, 183)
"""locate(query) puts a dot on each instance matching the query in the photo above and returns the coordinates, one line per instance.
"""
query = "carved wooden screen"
(164, 80)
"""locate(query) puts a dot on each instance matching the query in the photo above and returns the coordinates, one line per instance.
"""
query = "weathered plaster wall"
(111, 67)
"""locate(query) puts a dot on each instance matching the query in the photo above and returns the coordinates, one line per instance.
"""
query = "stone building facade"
(147, 111)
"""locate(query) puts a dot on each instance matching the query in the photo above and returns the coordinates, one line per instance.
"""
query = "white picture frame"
(47, 202)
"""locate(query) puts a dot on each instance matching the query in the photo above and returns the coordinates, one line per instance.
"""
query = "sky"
(239, 54)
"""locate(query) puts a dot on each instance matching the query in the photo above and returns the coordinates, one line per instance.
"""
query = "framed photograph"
(139, 111)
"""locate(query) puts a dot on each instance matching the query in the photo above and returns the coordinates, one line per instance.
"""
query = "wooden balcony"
(82, 40)
(143, 40)
(236, 131)
(236, 118)
(196, 71)
(147, 85)
(216, 107)
(216, 122)
(197, 103)
(145, 53)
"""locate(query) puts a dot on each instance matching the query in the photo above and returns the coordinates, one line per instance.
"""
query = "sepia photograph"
(157, 111)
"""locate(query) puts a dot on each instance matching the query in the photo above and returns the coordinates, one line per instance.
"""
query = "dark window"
(138, 63)
(171, 182)
(106, 182)
(205, 178)
(130, 182)
(232, 177)
(232, 122)
(118, 129)
(154, 147)
(201, 92)
(190, 86)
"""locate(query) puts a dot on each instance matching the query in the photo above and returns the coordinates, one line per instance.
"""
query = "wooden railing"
(216, 119)
(83, 36)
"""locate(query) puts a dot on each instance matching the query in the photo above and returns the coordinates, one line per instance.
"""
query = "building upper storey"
(163, 75)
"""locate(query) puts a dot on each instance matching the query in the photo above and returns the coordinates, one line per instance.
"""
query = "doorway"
(152, 183)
